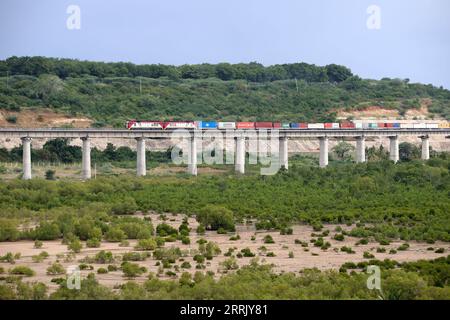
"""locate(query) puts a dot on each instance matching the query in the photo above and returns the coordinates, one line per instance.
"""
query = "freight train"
(357, 124)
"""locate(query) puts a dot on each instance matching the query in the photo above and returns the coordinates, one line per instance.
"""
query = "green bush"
(56, 269)
(214, 217)
(146, 244)
(22, 270)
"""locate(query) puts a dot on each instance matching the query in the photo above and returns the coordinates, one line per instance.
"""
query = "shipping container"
(284, 125)
(245, 125)
(327, 125)
(360, 125)
(420, 125)
(145, 125)
(444, 125)
(263, 125)
(316, 126)
(206, 124)
(276, 125)
(295, 125)
(406, 125)
(381, 125)
(347, 125)
(373, 125)
(179, 125)
(389, 125)
(227, 125)
(396, 125)
(303, 125)
(432, 126)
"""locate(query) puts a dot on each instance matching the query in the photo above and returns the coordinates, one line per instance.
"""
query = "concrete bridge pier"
(425, 147)
(360, 149)
(393, 148)
(86, 158)
(284, 153)
(192, 156)
(141, 169)
(239, 165)
(26, 144)
(323, 157)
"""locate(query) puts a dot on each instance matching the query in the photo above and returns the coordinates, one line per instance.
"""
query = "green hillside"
(111, 93)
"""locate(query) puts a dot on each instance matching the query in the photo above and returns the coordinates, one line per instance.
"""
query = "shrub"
(22, 270)
(164, 230)
(102, 271)
(199, 258)
(235, 238)
(93, 243)
(339, 237)
(112, 268)
(38, 244)
(40, 257)
(440, 250)
(246, 252)
(185, 265)
(403, 247)
(124, 206)
(104, 257)
(392, 251)
(347, 250)
(56, 269)
(362, 241)
(368, 255)
(270, 254)
(291, 254)
(8, 230)
(75, 246)
(268, 239)
(185, 240)
(381, 250)
(50, 174)
(201, 229)
(132, 270)
(8, 257)
(229, 264)
(135, 256)
(11, 119)
(115, 234)
(146, 244)
(214, 217)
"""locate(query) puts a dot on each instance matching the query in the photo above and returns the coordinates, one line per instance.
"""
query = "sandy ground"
(313, 258)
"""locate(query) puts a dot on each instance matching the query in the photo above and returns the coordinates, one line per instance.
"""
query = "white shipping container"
(335, 125)
(432, 125)
(406, 125)
(360, 125)
(227, 125)
(316, 126)
(420, 126)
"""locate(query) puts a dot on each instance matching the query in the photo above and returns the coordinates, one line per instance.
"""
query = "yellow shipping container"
(444, 125)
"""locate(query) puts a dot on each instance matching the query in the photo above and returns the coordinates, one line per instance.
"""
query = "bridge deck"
(167, 134)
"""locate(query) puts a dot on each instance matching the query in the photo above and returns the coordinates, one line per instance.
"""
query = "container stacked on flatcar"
(357, 124)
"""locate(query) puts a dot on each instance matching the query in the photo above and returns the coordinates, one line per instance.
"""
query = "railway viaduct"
(324, 135)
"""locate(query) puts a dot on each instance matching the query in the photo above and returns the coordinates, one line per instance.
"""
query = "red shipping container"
(303, 125)
(245, 125)
(389, 125)
(381, 125)
(328, 125)
(347, 125)
(263, 125)
(277, 125)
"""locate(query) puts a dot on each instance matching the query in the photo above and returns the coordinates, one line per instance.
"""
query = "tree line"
(253, 71)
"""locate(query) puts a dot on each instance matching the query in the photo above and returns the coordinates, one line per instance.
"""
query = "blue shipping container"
(295, 125)
(396, 125)
(208, 124)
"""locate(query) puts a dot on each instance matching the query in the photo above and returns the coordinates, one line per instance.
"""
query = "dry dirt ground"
(313, 258)
(42, 118)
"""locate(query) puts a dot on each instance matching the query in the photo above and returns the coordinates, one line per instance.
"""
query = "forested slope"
(110, 93)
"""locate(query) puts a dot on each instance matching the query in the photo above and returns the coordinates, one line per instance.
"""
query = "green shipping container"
(285, 125)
